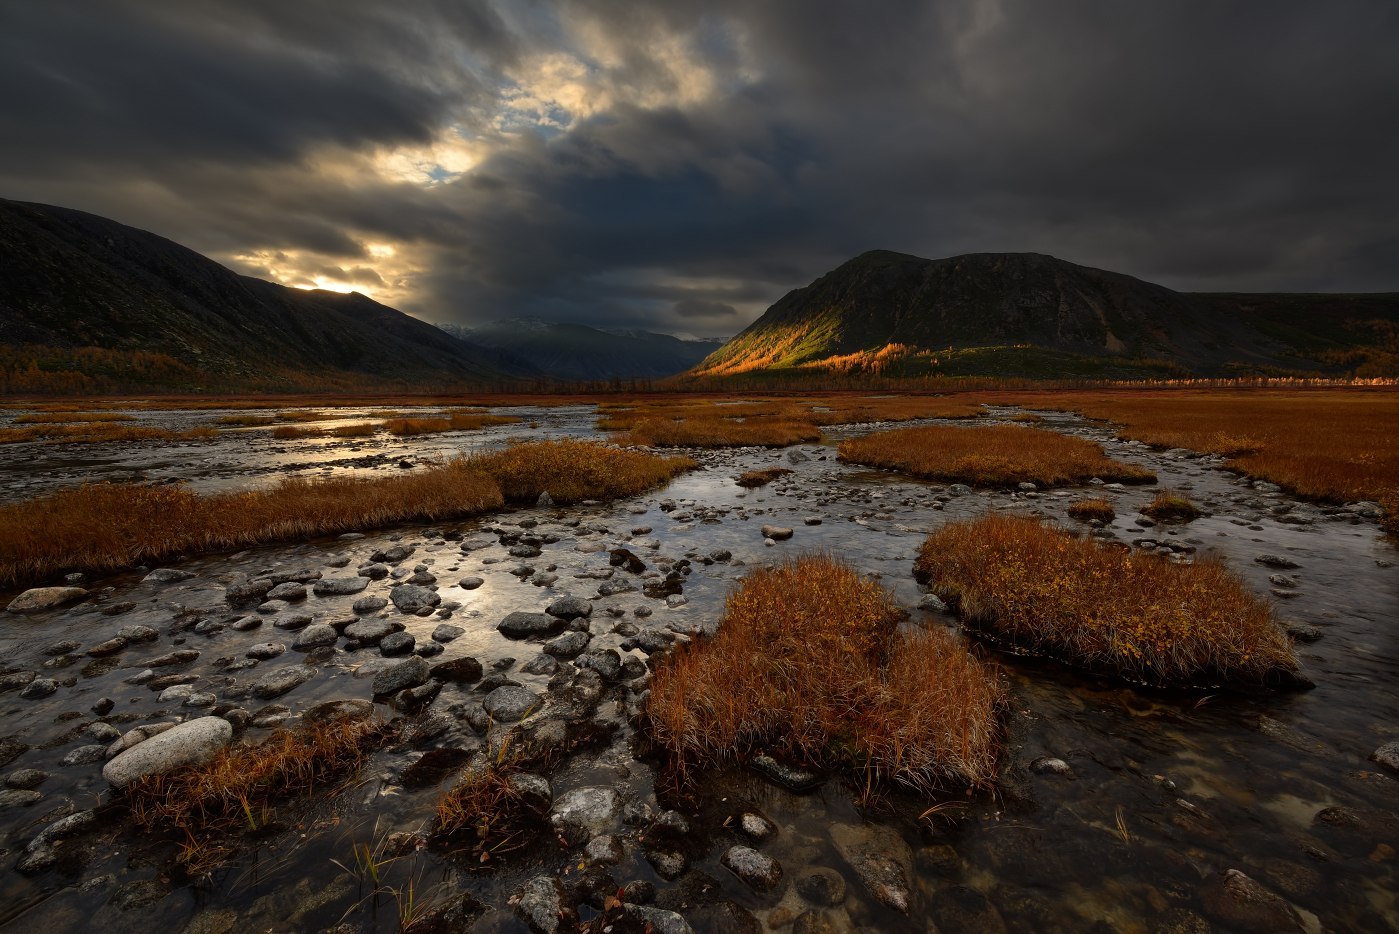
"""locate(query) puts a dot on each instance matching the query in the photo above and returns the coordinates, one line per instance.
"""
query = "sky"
(680, 165)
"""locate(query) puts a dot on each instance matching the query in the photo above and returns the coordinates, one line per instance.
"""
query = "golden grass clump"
(53, 418)
(808, 661)
(1087, 510)
(451, 421)
(1104, 608)
(487, 812)
(989, 455)
(1170, 506)
(417, 426)
(246, 421)
(100, 432)
(571, 471)
(290, 432)
(756, 478)
(356, 430)
(107, 526)
(237, 788)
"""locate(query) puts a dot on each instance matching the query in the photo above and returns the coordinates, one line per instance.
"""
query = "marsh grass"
(756, 478)
(290, 432)
(808, 661)
(1107, 609)
(357, 430)
(108, 526)
(101, 432)
(53, 418)
(571, 471)
(1170, 506)
(238, 788)
(989, 455)
(485, 812)
(452, 421)
(1088, 510)
(246, 421)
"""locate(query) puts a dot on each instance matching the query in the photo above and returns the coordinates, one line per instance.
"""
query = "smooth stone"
(522, 625)
(397, 643)
(281, 680)
(583, 813)
(406, 674)
(339, 586)
(265, 650)
(410, 598)
(510, 703)
(568, 645)
(315, 636)
(193, 742)
(776, 533)
(368, 631)
(470, 583)
(85, 755)
(570, 608)
(39, 599)
(288, 591)
(758, 871)
(446, 632)
(463, 670)
(369, 604)
(1387, 756)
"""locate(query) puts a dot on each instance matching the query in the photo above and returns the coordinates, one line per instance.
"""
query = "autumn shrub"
(356, 430)
(417, 426)
(757, 478)
(1087, 510)
(808, 661)
(1105, 608)
(571, 471)
(1170, 506)
(990, 455)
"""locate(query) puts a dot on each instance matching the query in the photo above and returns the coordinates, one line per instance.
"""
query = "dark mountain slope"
(575, 352)
(71, 280)
(903, 315)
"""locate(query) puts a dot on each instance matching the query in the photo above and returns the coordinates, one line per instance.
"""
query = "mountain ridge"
(581, 353)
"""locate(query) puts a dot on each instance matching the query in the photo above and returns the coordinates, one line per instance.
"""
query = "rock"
(1387, 756)
(605, 850)
(137, 735)
(465, 670)
(410, 598)
(85, 755)
(406, 674)
(178, 657)
(446, 632)
(1276, 561)
(15, 797)
(1233, 899)
(524, 625)
(135, 634)
(368, 631)
(39, 599)
(247, 591)
(339, 586)
(346, 708)
(314, 636)
(1178, 921)
(40, 854)
(397, 643)
(755, 826)
(568, 645)
(1048, 765)
(265, 650)
(110, 647)
(287, 591)
(533, 790)
(39, 687)
(541, 664)
(26, 779)
(881, 859)
(793, 779)
(821, 886)
(758, 871)
(776, 533)
(586, 812)
(571, 608)
(544, 905)
(190, 743)
(369, 604)
(470, 583)
(510, 703)
(392, 555)
(658, 920)
(281, 680)
(961, 908)
(625, 559)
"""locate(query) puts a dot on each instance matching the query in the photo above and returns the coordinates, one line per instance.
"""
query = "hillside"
(88, 298)
(1027, 314)
(578, 353)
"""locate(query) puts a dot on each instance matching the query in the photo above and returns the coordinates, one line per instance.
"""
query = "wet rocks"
(793, 779)
(397, 643)
(289, 590)
(85, 755)
(1387, 756)
(470, 583)
(365, 605)
(406, 674)
(281, 680)
(446, 632)
(583, 813)
(39, 599)
(881, 859)
(339, 586)
(135, 736)
(1048, 765)
(568, 645)
(1276, 561)
(544, 905)
(961, 908)
(178, 657)
(466, 670)
(509, 703)
(38, 688)
(265, 650)
(758, 871)
(570, 608)
(190, 743)
(315, 636)
(821, 886)
(40, 854)
(244, 592)
(625, 559)
(777, 533)
(523, 625)
(368, 631)
(1234, 899)
(410, 598)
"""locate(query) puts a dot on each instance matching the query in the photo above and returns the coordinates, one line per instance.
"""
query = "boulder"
(570, 608)
(281, 680)
(509, 703)
(191, 743)
(583, 813)
(410, 598)
(758, 871)
(406, 674)
(39, 599)
(524, 625)
(339, 586)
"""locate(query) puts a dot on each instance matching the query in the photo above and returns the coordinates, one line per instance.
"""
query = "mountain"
(89, 298)
(575, 352)
(1027, 314)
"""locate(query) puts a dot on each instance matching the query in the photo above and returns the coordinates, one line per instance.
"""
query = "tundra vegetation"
(809, 661)
(1170, 506)
(1104, 608)
(1089, 510)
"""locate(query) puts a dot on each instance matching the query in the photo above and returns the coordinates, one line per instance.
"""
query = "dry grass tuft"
(100, 432)
(757, 478)
(486, 811)
(1086, 510)
(1103, 608)
(1170, 506)
(417, 426)
(237, 788)
(54, 418)
(991, 455)
(357, 430)
(571, 471)
(289, 432)
(808, 661)
(451, 421)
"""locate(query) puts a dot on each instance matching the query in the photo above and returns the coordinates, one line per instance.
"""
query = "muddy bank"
(1136, 809)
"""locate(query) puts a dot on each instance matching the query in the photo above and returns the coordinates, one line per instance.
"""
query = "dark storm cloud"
(681, 165)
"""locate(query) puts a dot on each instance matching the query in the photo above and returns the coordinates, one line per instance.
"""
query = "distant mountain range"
(88, 299)
(578, 353)
(1031, 315)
